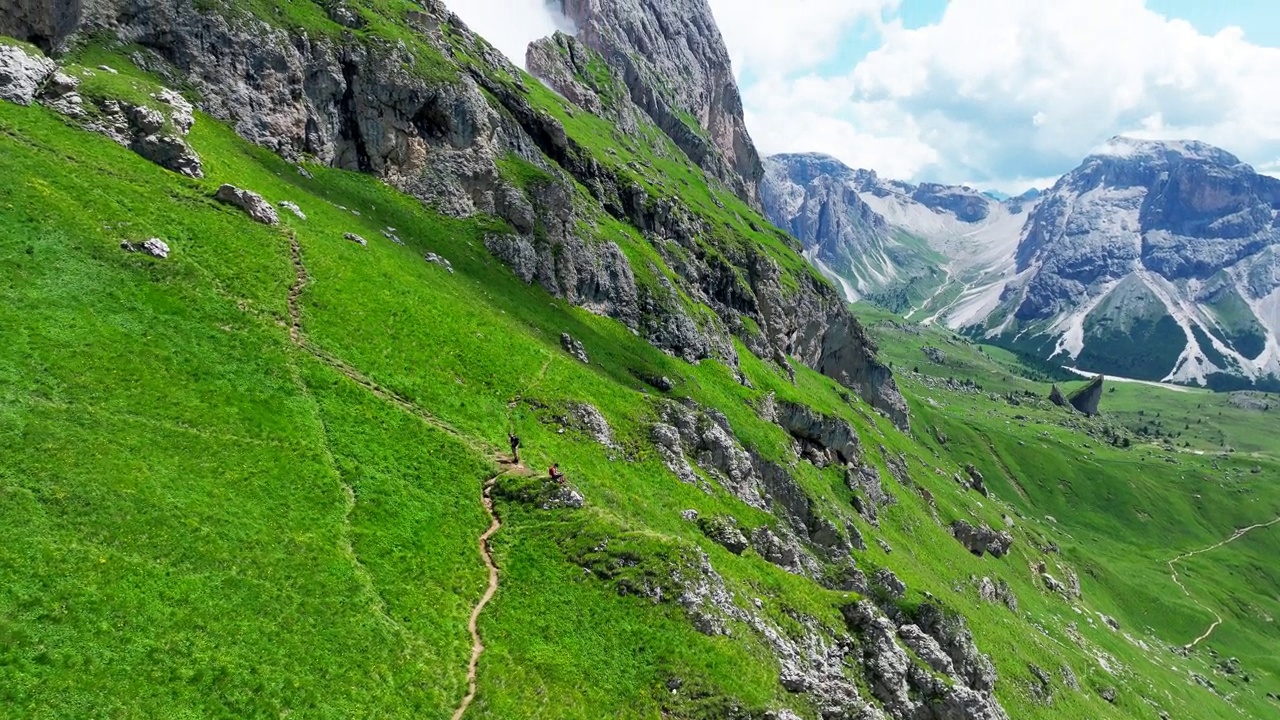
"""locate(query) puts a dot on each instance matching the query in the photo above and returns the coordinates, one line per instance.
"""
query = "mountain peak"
(1125, 147)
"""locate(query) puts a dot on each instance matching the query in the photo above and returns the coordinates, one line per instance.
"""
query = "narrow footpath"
(477, 646)
(296, 335)
(1217, 618)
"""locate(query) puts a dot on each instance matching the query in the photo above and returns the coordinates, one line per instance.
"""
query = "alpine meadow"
(285, 283)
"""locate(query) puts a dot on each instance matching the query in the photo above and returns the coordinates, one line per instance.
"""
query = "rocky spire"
(675, 63)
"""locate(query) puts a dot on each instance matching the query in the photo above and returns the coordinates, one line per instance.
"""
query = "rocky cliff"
(675, 64)
(444, 117)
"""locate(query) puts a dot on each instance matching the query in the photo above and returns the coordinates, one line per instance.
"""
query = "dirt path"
(299, 339)
(1174, 571)
(477, 646)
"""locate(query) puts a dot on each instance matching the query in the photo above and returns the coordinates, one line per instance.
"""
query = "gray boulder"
(574, 348)
(250, 202)
(22, 74)
(155, 247)
(293, 208)
(593, 423)
(982, 540)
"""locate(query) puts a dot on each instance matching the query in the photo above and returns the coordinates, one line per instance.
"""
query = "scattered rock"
(293, 208)
(690, 515)
(1053, 584)
(1042, 686)
(21, 74)
(108, 69)
(155, 247)
(565, 496)
(976, 480)
(935, 355)
(59, 94)
(589, 419)
(981, 540)
(885, 546)
(305, 173)
(1109, 694)
(1111, 622)
(1069, 678)
(355, 239)
(888, 583)
(438, 260)
(574, 348)
(724, 531)
(997, 592)
(1073, 584)
(250, 202)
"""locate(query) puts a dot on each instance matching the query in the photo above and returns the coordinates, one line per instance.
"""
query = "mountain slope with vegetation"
(248, 456)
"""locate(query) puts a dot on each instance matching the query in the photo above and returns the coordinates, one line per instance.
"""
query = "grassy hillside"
(202, 516)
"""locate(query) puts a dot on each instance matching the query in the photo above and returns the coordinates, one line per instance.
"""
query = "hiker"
(554, 472)
(515, 447)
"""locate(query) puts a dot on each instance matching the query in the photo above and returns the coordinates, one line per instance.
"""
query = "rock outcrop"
(156, 128)
(22, 73)
(957, 682)
(982, 539)
(1087, 398)
(1056, 397)
(689, 436)
(820, 439)
(250, 202)
(677, 69)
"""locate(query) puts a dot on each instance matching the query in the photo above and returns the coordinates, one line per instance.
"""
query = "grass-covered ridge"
(200, 516)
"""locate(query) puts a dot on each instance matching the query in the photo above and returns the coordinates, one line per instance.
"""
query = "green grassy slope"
(199, 517)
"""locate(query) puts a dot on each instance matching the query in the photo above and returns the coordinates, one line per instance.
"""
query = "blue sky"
(1003, 93)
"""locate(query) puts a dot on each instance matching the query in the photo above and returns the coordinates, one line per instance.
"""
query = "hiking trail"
(1217, 618)
(486, 553)
(298, 337)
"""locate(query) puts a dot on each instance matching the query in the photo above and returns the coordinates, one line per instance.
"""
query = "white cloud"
(778, 37)
(999, 90)
(509, 25)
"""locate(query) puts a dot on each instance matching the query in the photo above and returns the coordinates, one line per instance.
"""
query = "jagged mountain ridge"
(893, 243)
(1155, 260)
(1152, 259)
(677, 68)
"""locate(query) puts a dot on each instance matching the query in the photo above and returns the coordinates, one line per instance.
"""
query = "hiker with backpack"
(515, 447)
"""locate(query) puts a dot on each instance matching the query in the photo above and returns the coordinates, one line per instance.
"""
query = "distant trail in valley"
(1217, 618)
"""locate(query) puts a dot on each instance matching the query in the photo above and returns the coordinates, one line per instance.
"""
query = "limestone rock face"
(676, 66)
(21, 74)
